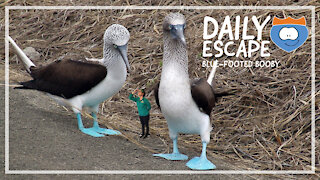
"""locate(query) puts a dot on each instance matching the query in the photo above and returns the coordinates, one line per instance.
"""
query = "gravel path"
(43, 136)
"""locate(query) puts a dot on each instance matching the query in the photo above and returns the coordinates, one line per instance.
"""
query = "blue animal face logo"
(289, 34)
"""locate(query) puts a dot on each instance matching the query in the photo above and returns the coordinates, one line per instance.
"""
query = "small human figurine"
(143, 110)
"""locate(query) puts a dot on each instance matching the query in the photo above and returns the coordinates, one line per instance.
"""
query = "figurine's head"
(141, 93)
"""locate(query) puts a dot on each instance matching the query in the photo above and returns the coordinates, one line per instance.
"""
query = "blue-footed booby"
(83, 83)
(185, 104)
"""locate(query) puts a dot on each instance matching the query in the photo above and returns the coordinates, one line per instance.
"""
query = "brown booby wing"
(66, 78)
(156, 94)
(202, 93)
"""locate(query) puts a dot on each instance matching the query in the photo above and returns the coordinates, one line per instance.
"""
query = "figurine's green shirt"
(143, 105)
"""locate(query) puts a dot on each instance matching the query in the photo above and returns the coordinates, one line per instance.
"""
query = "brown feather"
(156, 94)
(203, 95)
(66, 78)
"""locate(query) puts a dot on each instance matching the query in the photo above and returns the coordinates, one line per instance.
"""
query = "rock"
(31, 53)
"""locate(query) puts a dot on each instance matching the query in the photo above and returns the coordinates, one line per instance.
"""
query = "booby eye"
(170, 27)
(115, 46)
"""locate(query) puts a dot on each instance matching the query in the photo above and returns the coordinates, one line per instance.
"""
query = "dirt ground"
(43, 136)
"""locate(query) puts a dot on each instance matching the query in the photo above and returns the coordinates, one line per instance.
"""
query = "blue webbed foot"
(200, 163)
(173, 156)
(90, 132)
(98, 129)
(105, 131)
(176, 155)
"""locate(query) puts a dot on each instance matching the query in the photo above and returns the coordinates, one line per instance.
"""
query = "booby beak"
(177, 31)
(123, 53)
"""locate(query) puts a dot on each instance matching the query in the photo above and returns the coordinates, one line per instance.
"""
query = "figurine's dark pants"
(145, 123)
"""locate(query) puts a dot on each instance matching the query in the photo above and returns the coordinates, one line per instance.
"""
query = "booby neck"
(175, 55)
(113, 62)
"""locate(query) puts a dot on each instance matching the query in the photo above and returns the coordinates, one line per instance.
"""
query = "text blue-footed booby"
(84, 84)
(185, 104)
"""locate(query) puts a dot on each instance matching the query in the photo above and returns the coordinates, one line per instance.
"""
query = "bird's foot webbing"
(201, 163)
(176, 155)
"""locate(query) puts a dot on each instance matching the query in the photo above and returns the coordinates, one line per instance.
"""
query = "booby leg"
(88, 131)
(98, 129)
(201, 163)
(175, 155)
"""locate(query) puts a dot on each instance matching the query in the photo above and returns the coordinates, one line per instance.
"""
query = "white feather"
(95, 60)
(212, 73)
(25, 60)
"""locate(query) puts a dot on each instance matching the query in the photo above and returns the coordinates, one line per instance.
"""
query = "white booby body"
(177, 105)
(185, 105)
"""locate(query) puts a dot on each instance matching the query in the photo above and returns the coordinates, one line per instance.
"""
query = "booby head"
(116, 37)
(175, 24)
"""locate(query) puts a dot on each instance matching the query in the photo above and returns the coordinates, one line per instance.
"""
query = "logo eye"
(288, 33)
(115, 46)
